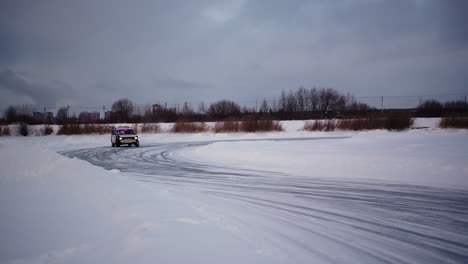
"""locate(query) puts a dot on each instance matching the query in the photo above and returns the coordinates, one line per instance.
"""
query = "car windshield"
(125, 132)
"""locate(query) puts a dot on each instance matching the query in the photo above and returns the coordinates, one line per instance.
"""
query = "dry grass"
(365, 123)
(454, 122)
(252, 124)
(189, 127)
(5, 131)
(320, 125)
(226, 127)
(249, 124)
(389, 121)
(77, 129)
(150, 128)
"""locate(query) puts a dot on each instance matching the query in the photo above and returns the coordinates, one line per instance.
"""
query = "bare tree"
(357, 106)
(24, 110)
(187, 109)
(19, 113)
(147, 114)
(202, 108)
(430, 108)
(264, 107)
(123, 109)
(62, 115)
(328, 98)
(301, 99)
(10, 114)
(224, 108)
(291, 104)
(283, 101)
(455, 106)
(312, 99)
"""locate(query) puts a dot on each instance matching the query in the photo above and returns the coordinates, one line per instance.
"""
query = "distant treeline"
(299, 104)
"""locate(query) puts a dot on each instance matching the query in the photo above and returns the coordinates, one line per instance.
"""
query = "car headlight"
(136, 137)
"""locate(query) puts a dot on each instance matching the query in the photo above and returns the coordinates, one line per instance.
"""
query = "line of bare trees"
(302, 103)
(316, 103)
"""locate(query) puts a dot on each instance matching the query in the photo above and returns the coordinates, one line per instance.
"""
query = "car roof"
(123, 127)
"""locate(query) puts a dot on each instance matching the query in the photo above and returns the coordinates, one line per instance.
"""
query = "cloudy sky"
(92, 52)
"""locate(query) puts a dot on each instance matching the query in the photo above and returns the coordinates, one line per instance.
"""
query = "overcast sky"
(92, 52)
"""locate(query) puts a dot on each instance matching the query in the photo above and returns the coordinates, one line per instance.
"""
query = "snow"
(60, 210)
(323, 197)
(436, 158)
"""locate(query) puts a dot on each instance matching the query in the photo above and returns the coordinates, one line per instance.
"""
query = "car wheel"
(137, 144)
(113, 145)
(117, 144)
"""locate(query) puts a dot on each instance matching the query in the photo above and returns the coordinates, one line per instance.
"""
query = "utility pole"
(465, 104)
(68, 111)
(381, 101)
(45, 116)
(103, 112)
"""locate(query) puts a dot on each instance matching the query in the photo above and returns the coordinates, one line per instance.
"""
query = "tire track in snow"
(334, 221)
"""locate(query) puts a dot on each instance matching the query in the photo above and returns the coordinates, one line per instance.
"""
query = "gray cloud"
(40, 94)
(179, 51)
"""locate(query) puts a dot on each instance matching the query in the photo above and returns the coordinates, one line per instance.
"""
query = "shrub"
(188, 127)
(249, 124)
(150, 128)
(23, 129)
(5, 131)
(390, 121)
(223, 109)
(430, 108)
(97, 129)
(313, 125)
(320, 125)
(252, 124)
(365, 123)
(398, 121)
(69, 129)
(47, 130)
(330, 125)
(77, 129)
(454, 122)
(226, 127)
(455, 107)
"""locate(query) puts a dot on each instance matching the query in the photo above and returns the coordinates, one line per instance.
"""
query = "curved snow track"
(302, 218)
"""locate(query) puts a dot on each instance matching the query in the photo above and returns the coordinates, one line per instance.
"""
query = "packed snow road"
(297, 217)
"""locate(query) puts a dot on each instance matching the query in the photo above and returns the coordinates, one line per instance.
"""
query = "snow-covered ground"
(289, 197)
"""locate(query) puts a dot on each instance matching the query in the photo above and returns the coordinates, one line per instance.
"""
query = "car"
(124, 135)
